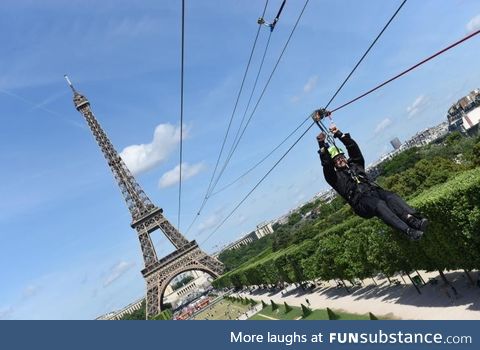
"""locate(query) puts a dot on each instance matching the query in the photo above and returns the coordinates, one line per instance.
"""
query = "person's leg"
(384, 213)
(403, 210)
(396, 204)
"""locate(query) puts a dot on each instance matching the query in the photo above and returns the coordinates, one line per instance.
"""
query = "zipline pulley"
(261, 20)
(324, 113)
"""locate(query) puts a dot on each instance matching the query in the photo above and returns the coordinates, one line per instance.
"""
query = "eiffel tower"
(146, 218)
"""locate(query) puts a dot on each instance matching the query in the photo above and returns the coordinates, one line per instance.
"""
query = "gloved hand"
(321, 141)
(334, 130)
(321, 137)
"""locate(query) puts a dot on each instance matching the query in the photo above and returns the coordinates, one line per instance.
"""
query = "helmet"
(335, 151)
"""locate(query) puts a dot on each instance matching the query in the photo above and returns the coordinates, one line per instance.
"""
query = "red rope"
(407, 70)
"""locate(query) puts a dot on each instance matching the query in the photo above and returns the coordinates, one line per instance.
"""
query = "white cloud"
(474, 24)
(382, 125)
(144, 157)
(117, 271)
(417, 106)
(172, 177)
(311, 84)
(6, 313)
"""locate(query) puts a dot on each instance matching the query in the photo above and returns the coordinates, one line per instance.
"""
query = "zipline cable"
(261, 161)
(258, 184)
(230, 121)
(336, 109)
(331, 99)
(365, 54)
(407, 70)
(262, 93)
(181, 116)
(243, 117)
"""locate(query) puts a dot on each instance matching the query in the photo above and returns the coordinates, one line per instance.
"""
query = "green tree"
(400, 162)
(331, 315)
(476, 154)
(288, 308)
(294, 218)
(306, 311)
(139, 314)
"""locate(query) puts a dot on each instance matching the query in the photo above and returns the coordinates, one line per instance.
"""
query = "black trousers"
(386, 205)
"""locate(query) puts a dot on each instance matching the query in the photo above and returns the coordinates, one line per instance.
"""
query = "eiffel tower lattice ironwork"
(146, 218)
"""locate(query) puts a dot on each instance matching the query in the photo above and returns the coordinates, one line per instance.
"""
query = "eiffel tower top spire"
(137, 201)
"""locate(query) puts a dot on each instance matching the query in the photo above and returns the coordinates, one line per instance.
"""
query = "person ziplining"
(349, 179)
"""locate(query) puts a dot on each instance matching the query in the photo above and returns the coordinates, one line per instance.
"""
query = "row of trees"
(233, 258)
(307, 311)
(242, 300)
(359, 248)
(408, 174)
(343, 246)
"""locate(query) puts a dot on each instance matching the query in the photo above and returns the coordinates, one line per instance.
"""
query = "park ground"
(222, 310)
(385, 300)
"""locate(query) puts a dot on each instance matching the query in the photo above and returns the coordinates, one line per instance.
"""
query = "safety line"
(258, 184)
(236, 138)
(236, 102)
(181, 116)
(407, 70)
(366, 53)
(205, 198)
(261, 161)
(264, 89)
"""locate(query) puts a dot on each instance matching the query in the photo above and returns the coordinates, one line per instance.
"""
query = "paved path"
(396, 301)
(250, 312)
(270, 318)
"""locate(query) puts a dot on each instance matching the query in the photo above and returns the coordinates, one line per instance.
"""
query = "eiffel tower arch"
(147, 218)
(157, 283)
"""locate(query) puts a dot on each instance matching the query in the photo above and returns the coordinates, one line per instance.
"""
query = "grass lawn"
(223, 310)
(323, 315)
(280, 314)
(296, 313)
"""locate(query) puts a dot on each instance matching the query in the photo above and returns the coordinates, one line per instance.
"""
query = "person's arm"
(326, 160)
(353, 150)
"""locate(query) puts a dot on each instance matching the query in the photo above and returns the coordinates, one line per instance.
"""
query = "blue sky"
(66, 248)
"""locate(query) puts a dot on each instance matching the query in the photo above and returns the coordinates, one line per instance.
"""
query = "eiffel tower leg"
(153, 302)
(212, 264)
(146, 244)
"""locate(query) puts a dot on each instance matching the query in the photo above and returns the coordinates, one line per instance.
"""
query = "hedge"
(357, 248)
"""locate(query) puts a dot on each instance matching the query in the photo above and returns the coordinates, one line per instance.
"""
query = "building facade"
(263, 229)
(396, 144)
(464, 115)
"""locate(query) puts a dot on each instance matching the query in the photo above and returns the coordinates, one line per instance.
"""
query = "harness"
(364, 184)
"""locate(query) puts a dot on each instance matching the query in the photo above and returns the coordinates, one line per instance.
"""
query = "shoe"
(414, 235)
(417, 223)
